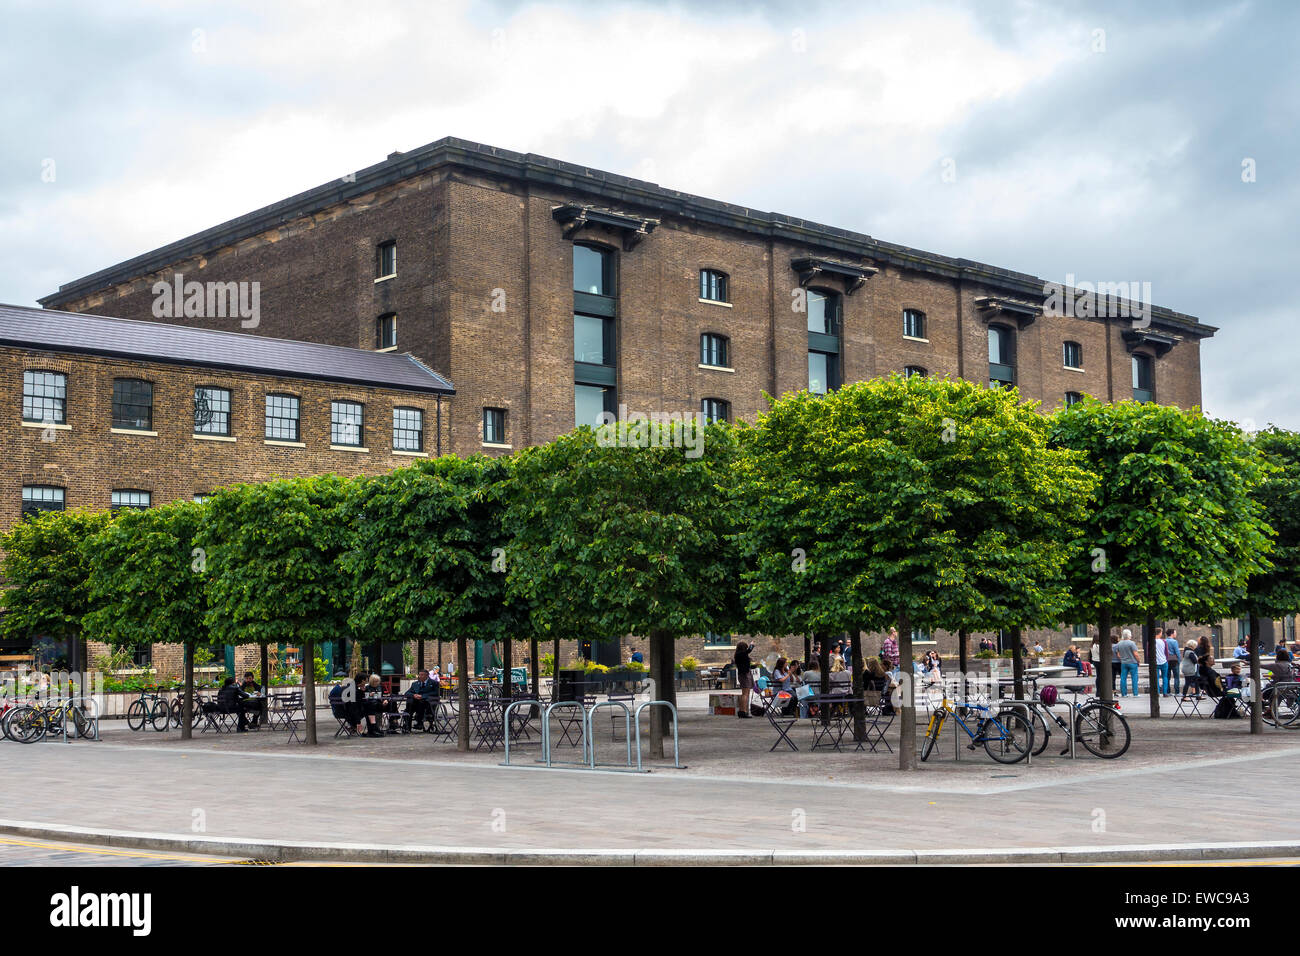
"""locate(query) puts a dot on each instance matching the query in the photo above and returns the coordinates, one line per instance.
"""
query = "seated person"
(254, 700)
(811, 685)
(1281, 668)
(1234, 680)
(370, 695)
(1209, 678)
(782, 678)
(419, 699)
(1242, 650)
(228, 702)
(876, 679)
(1072, 659)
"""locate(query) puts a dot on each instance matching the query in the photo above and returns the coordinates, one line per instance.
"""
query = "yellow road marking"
(72, 848)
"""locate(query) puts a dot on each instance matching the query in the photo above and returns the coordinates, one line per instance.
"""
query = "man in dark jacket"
(420, 697)
(228, 700)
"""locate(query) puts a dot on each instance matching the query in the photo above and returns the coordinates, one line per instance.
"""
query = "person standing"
(1173, 654)
(1126, 651)
(889, 649)
(1162, 661)
(744, 675)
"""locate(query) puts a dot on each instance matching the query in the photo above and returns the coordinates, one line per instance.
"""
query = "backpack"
(1188, 667)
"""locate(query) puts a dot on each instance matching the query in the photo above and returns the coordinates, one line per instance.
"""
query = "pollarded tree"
(626, 532)
(147, 585)
(909, 501)
(422, 562)
(1176, 530)
(274, 574)
(46, 574)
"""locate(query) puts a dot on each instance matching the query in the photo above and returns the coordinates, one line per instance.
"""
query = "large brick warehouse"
(549, 292)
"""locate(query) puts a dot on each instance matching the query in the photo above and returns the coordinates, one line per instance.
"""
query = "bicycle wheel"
(1287, 707)
(80, 721)
(932, 734)
(1102, 730)
(26, 725)
(1015, 737)
(1041, 733)
(136, 715)
(160, 715)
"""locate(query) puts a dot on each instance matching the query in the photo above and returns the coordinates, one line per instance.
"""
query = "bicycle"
(1099, 726)
(149, 708)
(1006, 735)
(31, 723)
(1284, 711)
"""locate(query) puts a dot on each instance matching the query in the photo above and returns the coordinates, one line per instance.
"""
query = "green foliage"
(273, 554)
(934, 498)
(1275, 592)
(689, 664)
(47, 573)
(146, 581)
(1176, 530)
(547, 665)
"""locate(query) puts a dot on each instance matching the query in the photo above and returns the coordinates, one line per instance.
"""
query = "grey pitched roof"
(88, 334)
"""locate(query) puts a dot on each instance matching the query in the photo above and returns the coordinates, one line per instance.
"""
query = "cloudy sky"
(1111, 141)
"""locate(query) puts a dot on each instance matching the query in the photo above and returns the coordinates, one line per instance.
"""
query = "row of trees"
(907, 502)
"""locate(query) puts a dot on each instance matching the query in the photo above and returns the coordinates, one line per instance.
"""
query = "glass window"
(715, 410)
(593, 270)
(911, 370)
(494, 426)
(130, 498)
(713, 285)
(38, 498)
(408, 429)
(1073, 355)
(211, 411)
(823, 312)
(1079, 631)
(347, 423)
(592, 340)
(1143, 379)
(1001, 346)
(713, 350)
(45, 397)
(914, 323)
(823, 372)
(386, 260)
(590, 402)
(1072, 398)
(132, 404)
(386, 331)
(282, 417)
(202, 499)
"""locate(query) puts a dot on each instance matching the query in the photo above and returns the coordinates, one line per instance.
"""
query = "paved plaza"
(1183, 782)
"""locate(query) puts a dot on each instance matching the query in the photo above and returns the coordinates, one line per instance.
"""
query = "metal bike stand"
(506, 721)
(627, 729)
(546, 731)
(677, 763)
(94, 720)
(1276, 685)
(1029, 718)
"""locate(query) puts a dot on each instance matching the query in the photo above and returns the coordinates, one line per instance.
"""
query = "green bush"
(548, 665)
(689, 664)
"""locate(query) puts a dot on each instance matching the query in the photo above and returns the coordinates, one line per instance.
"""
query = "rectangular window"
(1143, 384)
(823, 312)
(1073, 398)
(202, 499)
(593, 270)
(1072, 355)
(823, 372)
(716, 640)
(590, 402)
(386, 331)
(914, 323)
(38, 498)
(715, 410)
(132, 404)
(713, 285)
(1002, 357)
(347, 425)
(386, 260)
(593, 340)
(45, 397)
(408, 429)
(281, 418)
(494, 426)
(211, 411)
(130, 498)
(1079, 631)
(713, 350)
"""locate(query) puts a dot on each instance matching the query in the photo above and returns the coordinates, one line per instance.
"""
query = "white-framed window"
(914, 323)
(45, 397)
(1072, 355)
(347, 423)
(282, 413)
(39, 498)
(211, 410)
(131, 498)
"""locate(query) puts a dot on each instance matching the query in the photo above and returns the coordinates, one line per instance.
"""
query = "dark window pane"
(1001, 346)
(715, 410)
(38, 498)
(386, 260)
(281, 418)
(911, 370)
(132, 404)
(45, 397)
(211, 411)
(347, 426)
(408, 429)
(713, 285)
(914, 323)
(494, 426)
(386, 331)
(1073, 355)
(1071, 398)
(713, 350)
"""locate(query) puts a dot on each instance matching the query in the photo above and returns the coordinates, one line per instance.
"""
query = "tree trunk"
(963, 658)
(535, 666)
(419, 656)
(1149, 648)
(824, 662)
(1105, 679)
(266, 669)
(907, 682)
(462, 695)
(507, 662)
(1256, 703)
(309, 690)
(187, 708)
(859, 712)
(661, 670)
(807, 650)
(1017, 663)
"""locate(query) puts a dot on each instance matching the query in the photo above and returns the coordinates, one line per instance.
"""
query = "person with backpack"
(1188, 668)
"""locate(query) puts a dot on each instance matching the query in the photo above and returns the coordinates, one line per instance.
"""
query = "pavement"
(1189, 790)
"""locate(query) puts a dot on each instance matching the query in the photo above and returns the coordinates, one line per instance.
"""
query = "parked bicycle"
(1099, 726)
(32, 722)
(1006, 735)
(150, 709)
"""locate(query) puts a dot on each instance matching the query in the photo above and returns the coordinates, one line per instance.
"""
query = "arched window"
(913, 323)
(593, 270)
(715, 350)
(715, 410)
(713, 286)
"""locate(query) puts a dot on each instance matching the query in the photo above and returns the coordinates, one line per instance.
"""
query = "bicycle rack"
(92, 716)
(1029, 719)
(506, 721)
(1277, 722)
(627, 730)
(546, 732)
(677, 762)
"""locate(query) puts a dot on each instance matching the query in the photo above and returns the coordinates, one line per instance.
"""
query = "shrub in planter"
(689, 664)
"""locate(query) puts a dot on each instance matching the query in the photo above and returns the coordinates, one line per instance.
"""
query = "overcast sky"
(1103, 140)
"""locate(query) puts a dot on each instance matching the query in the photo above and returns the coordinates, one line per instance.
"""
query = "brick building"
(550, 292)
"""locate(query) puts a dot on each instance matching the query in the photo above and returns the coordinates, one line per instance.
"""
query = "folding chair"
(486, 723)
(345, 728)
(1189, 705)
(442, 719)
(878, 722)
(625, 697)
(218, 721)
(781, 723)
(571, 720)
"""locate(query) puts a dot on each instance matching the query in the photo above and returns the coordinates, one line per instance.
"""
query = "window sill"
(716, 368)
(725, 305)
(133, 431)
(198, 437)
(494, 444)
(1072, 368)
(391, 348)
(284, 444)
(411, 454)
(357, 448)
(913, 338)
(391, 275)
(42, 425)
